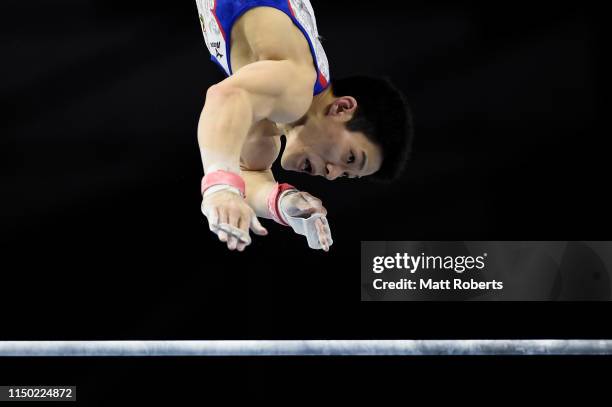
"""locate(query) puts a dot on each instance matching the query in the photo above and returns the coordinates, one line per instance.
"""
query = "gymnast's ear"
(343, 106)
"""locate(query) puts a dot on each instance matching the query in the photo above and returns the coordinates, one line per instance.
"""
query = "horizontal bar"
(307, 347)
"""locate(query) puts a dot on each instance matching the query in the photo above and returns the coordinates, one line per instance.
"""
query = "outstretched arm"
(293, 206)
(280, 91)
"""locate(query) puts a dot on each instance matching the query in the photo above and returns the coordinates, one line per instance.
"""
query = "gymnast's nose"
(333, 171)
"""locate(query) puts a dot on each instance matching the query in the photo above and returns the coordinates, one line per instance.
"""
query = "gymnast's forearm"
(259, 184)
(223, 127)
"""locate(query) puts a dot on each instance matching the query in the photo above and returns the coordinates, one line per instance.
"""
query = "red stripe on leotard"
(290, 8)
(322, 80)
(217, 19)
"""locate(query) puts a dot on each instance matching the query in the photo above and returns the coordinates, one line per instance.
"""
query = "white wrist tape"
(221, 187)
(281, 212)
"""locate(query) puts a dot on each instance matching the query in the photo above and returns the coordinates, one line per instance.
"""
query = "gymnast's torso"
(222, 20)
(253, 39)
(239, 32)
(251, 31)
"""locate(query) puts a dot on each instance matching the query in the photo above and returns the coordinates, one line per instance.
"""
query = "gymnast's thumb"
(256, 227)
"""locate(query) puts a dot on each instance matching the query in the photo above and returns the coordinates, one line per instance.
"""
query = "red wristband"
(221, 177)
(273, 204)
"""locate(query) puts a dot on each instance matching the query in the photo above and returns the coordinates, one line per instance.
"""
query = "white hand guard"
(306, 226)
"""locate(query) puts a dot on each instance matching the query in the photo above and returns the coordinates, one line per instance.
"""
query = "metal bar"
(306, 347)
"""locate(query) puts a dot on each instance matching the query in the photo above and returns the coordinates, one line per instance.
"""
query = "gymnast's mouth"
(306, 166)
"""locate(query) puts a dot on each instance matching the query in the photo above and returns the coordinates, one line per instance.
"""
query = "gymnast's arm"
(299, 203)
(259, 184)
(280, 91)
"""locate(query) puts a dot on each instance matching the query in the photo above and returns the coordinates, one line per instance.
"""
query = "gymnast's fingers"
(256, 226)
(223, 217)
(212, 216)
(239, 234)
(322, 234)
(234, 221)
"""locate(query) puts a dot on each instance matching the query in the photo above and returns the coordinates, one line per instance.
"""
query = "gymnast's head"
(360, 127)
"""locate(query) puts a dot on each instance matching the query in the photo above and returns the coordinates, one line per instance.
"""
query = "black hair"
(383, 116)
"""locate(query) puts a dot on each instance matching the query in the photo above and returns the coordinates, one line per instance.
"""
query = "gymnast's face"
(323, 146)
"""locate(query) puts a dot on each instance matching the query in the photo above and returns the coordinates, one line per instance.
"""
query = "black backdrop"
(102, 237)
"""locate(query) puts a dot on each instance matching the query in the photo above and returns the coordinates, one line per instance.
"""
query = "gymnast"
(278, 84)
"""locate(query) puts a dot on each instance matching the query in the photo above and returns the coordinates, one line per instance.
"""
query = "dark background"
(102, 235)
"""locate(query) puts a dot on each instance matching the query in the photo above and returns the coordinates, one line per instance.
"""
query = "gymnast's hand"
(300, 204)
(230, 218)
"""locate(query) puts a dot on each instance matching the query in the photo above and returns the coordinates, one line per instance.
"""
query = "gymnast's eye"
(351, 158)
